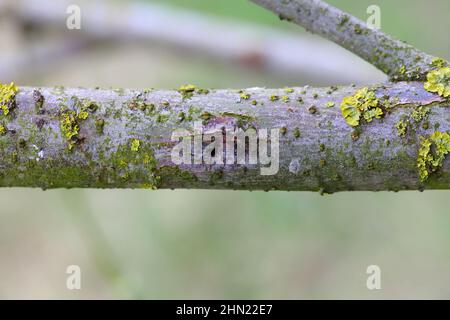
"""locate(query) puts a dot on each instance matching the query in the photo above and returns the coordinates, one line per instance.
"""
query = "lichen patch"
(432, 153)
(364, 104)
(7, 97)
(438, 81)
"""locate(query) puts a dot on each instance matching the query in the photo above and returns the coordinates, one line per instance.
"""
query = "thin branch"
(99, 138)
(395, 58)
(278, 52)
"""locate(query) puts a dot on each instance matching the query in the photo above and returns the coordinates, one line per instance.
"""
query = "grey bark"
(395, 58)
(56, 137)
(318, 150)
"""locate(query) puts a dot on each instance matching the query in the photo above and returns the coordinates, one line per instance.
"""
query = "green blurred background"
(189, 244)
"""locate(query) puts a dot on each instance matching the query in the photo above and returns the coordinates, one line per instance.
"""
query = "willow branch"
(102, 138)
(395, 58)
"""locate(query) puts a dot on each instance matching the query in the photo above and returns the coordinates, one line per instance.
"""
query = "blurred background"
(189, 244)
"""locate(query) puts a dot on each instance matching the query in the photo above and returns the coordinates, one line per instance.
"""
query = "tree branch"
(56, 137)
(278, 52)
(395, 58)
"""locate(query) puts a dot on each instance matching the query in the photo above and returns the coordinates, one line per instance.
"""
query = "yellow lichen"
(402, 127)
(330, 104)
(187, 91)
(285, 99)
(438, 62)
(69, 127)
(2, 129)
(438, 81)
(274, 98)
(245, 96)
(83, 115)
(135, 144)
(363, 102)
(149, 186)
(432, 153)
(7, 94)
(420, 113)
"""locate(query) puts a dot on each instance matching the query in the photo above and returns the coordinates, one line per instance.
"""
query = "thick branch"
(58, 137)
(395, 58)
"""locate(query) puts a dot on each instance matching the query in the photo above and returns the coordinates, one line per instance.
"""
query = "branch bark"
(388, 137)
(400, 61)
(56, 137)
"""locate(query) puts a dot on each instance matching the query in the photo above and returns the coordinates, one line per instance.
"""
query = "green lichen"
(420, 113)
(274, 98)
(402, 127)
(141, 104)
(70, 120)
(206, 116)
(7, 97)
(183, 177)
(187, 91)
(439, 63)
(99, 125)
(136, 168)
(69, 127)
(285, 99)
(438, 81)
(202, 91)
(135, 144)
(363, 103)
(289, 90)
(296, 133)
(162, 118)
(242, 120)
(245, 96)
(343, 19)
(432, 153)
(322, 147)
(83, 115)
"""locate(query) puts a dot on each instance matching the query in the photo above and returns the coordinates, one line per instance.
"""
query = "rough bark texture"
(395, 58)
(67, 137)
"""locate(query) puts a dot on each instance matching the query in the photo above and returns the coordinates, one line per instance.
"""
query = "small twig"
(395, 58)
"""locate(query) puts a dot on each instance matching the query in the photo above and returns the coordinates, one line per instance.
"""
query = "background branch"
(395, 58)
(254, 46)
